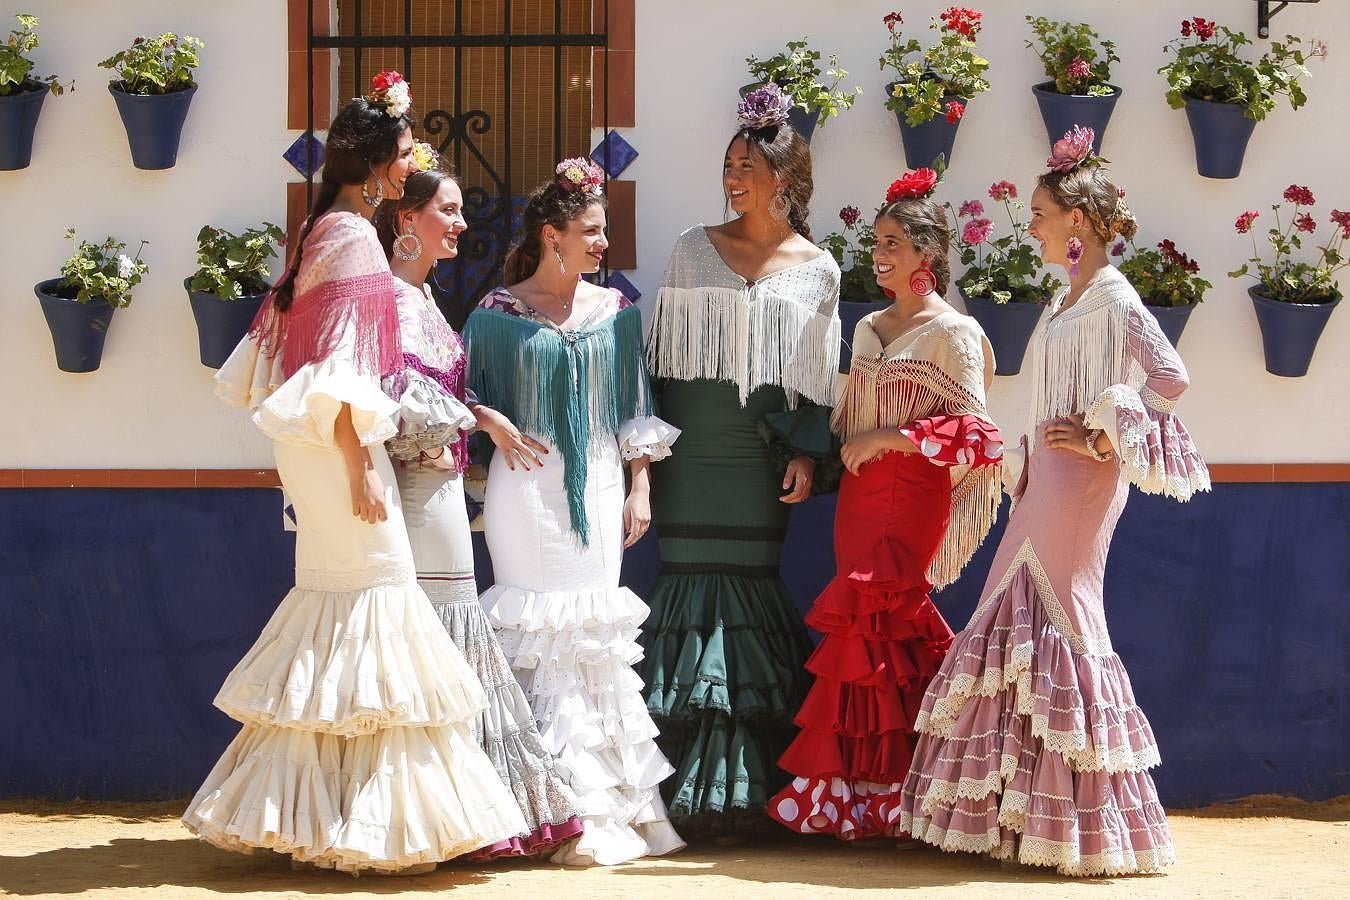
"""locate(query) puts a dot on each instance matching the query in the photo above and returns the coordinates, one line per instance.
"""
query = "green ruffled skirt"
(725, 647)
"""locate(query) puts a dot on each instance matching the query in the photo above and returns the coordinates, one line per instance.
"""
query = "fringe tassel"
(561, 386)
(1080, 354)
(745, 337)
(975, 502)
(362, 310)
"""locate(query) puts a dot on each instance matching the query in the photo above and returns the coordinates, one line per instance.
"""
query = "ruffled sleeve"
(428, 417)
(1155, 451)
(962, 434)
(646, 436)
(248, 377)
(804, 431)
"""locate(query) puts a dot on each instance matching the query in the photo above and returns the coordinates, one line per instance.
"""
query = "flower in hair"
(918, 184)
(581, 174)
(388, 89)
(764, 107)
(1073, 150)
(424, 157)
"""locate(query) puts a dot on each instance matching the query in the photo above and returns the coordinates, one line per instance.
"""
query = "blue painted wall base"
(121, 611)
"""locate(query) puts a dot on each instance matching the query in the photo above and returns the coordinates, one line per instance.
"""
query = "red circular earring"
(922, 281)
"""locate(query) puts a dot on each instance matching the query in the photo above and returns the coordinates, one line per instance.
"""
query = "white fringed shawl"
(782, 330)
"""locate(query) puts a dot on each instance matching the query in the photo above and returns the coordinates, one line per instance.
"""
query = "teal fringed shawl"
(561, 386)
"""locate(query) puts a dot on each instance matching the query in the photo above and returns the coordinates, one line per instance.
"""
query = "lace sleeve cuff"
(965, 440)
(428, 418)
(1156, 452)
(646, 436)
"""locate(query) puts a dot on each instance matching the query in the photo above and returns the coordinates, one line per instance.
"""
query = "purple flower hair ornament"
(764, 107)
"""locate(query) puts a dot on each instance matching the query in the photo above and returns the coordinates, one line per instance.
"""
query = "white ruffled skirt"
(570, 632)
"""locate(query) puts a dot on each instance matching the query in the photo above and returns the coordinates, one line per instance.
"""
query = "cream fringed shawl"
(782, 330)
(940, 368)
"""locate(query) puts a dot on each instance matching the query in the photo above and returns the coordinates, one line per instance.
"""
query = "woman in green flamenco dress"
(744, 349)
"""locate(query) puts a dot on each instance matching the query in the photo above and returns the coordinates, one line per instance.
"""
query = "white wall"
(690, 58)
(150, 405)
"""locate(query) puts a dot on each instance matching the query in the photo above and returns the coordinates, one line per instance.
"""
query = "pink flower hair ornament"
(581, 174)
(1074, 150)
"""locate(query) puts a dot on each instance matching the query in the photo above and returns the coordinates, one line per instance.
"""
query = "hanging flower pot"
(1171, 319)
(78, 329)
(221, 324)
(154, 124)
(925, 142)
(18, 122)
(1008, 326)
(1168, 281)
(153, 86)
(1289, 332)
(796, 71)
(229, 286)
(1220, 132)
(1060, 112)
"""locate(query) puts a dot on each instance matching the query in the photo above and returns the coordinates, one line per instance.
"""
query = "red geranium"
(891, 20)
(1244, 221)
(1201, 28)
(919, 183)
(963, 20)
(1003, 190)
(955, 110)
(1341, 218)
(1299, 195)
(1306, 223)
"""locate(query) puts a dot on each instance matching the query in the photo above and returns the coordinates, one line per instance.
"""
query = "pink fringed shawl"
(343, 292)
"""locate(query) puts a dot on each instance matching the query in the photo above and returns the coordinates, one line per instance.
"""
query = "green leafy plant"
(852, 250)
(15, 66)
(1163, 276)
(1000, 269)
(101, 272)
(1287, 279)
(1074, 56)
(797, 71)
(949, 68)
(1206, 66)
(155, 65)
(231, 265)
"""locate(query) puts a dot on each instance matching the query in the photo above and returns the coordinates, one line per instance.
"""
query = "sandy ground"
(1263, 847)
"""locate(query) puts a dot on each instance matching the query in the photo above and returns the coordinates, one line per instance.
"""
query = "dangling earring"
(922, 281)
(375, 201)
(779, 206)
(408, 246)
(562, 267)
(1074, 254)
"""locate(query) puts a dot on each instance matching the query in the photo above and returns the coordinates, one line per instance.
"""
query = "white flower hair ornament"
(581, 174)
(389, 90)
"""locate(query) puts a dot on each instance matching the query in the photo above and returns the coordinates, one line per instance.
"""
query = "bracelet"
(1092, 436)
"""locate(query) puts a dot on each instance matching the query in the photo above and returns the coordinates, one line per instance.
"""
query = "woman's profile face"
(894, 258)
(440, 222)
(747, 179)
(396, 171)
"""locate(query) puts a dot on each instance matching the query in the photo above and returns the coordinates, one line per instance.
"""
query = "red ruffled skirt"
(883, 641)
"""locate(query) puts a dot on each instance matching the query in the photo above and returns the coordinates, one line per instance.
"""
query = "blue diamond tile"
(620, 283)
(614, 154)
(306, 154)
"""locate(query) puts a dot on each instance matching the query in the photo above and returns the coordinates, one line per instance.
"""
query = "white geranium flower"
(126, 266)
(399, 98)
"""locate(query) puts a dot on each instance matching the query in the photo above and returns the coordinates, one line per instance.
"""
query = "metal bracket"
(1264, 14)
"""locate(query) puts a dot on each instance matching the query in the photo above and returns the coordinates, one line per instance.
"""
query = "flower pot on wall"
(802, 122)
(1008, 327)
(923, 143)
(1171, 319)
(1061, 112)
(1289, 332)
(78, 329)
(1220, 132)
(851, 313)
(154, 124)
(18, 120)
(221, 324)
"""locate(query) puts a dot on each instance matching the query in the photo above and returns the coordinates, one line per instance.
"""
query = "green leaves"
(950, 68)
(156, 65)
(234, 265)
(102, 271)
(1213, 70)
(1073, 56)
(15, 65)
(797, 72)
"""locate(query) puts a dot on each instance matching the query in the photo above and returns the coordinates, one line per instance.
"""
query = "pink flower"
(1244, 221)
(1342, 218)
(1002, 190)
(971, 208)
(850, 215)
(1306, 223)
(1299, 195)
(1079, 68)
(955, 110)
(977, 231)
(1119, 248)
(1319, 48)
(1070, 150)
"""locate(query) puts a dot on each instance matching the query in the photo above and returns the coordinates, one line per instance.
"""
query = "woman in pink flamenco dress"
(1032, 746)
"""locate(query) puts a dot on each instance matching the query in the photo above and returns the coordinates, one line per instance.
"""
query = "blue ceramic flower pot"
(850, 314)
(1008, 327)
(802, 122)
(154, 124)
(18, 121)
(1061, 112)
(1289, 332)
(1220, 132)
(923, 143)
(1171, 319)
(78, 329)
(221, 324)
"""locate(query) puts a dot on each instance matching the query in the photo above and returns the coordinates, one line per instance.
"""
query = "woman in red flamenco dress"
(919, 495)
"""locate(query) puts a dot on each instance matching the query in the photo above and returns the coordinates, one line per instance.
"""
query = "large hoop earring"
(562, 267)
(376, 200)
(922, 281)
(779, 206)
(408, 246)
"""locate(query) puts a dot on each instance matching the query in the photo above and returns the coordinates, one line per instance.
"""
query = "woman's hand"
(1069, 433)
(513, 446)
(637, 515)
(797, 479)
(863, 448)
(367, 496)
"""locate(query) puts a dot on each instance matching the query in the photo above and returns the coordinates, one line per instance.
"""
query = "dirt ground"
(1262, 847)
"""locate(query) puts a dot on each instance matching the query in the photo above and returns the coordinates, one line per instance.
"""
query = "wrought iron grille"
(482, 143)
